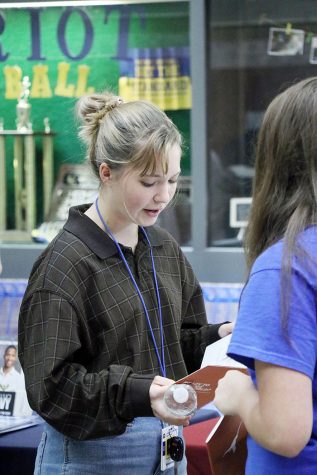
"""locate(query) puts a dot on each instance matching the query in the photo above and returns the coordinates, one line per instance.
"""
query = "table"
(18, 450)
(196, 449)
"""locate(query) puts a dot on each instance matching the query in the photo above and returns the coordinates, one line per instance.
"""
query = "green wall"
(69, 51)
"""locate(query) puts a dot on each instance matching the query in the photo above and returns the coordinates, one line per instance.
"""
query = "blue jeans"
(136, 452)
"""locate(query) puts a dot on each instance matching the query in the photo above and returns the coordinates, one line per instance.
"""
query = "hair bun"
(113, 102)
(110, 104)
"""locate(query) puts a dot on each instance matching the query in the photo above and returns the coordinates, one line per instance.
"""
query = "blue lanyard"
(161, 358)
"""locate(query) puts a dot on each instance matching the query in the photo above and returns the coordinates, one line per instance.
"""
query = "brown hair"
(284, 198)
(122, 133)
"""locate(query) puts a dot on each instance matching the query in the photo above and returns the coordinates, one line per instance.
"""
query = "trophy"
(23, 108)
(47, 127)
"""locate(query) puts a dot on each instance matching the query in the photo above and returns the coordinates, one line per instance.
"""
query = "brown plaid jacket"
(84, 343)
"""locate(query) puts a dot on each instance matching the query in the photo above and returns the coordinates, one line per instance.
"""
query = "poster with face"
(15, 411)
(13, 398)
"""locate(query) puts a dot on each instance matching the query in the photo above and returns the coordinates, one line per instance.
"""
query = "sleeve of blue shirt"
(258, 334)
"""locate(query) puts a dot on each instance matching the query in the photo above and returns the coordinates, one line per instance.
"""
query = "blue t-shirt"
(258, 335)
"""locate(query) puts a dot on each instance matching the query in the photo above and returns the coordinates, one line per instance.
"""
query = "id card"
(167, 433)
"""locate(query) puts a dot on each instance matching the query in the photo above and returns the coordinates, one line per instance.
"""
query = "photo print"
(285, 42)
(313, 51)
(13, 398)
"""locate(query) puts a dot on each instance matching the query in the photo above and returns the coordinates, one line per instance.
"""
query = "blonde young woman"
(113, 313)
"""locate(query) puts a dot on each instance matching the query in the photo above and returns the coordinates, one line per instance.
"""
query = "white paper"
(216, 354)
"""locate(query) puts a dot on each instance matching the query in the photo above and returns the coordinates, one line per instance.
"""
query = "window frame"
(211, 264)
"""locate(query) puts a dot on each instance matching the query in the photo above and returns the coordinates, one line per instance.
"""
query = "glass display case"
(138, 49)
(255, 49)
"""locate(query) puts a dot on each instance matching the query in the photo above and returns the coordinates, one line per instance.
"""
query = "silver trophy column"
(3, 181)
(24, 167)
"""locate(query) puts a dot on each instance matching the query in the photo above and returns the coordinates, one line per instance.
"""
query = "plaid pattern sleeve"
(75, 401)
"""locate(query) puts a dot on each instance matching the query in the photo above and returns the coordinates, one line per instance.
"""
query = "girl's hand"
(225, 329)
(232, 391)
(157, 391)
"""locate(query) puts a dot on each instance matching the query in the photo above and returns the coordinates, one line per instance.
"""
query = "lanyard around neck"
(161, 358)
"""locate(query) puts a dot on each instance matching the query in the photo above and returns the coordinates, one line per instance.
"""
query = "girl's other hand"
(231, 392)
(225, 329)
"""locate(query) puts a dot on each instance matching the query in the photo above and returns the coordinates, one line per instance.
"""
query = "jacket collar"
(96, 239)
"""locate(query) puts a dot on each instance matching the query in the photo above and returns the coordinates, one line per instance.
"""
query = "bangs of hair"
(153, 151)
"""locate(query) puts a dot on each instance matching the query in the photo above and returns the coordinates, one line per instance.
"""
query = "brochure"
(226, 443)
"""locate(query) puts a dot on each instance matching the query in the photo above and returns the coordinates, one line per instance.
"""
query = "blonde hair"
(122, 133)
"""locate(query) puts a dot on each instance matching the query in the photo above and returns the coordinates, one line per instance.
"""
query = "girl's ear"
(104, 173)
